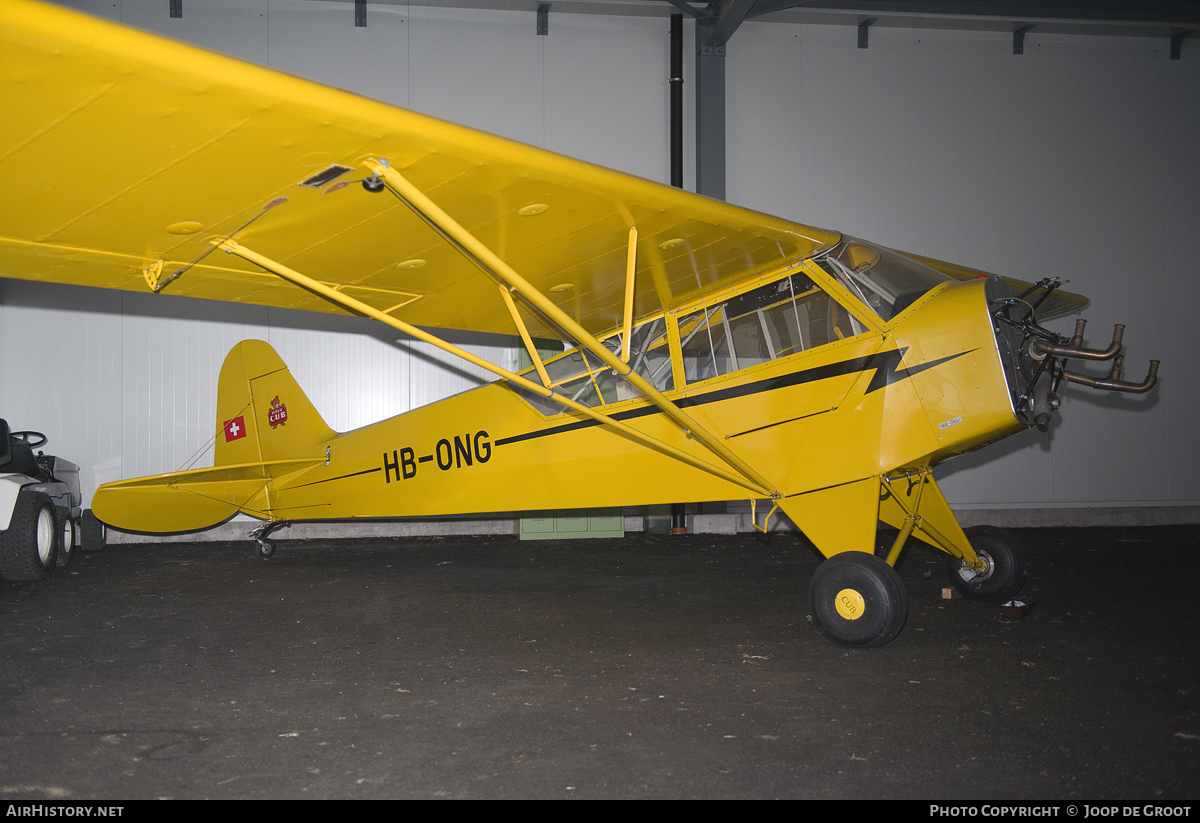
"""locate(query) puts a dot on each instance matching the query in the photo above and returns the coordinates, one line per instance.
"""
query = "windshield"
(888, 282)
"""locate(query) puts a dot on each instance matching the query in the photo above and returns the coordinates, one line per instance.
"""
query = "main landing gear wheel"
(29, 547)
(91, 532)
(857, 600)
(1004, 570)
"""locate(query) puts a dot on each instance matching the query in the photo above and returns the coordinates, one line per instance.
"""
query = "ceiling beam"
(729, 16)
(1132, 11)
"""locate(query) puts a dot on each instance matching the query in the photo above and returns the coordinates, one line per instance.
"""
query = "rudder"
(262, 413)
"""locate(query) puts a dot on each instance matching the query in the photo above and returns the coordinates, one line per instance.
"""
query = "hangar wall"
(1075, 159)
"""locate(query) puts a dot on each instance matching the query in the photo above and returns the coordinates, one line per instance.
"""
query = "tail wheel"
(1004, 566)
(265, 548)
(29, 547)
(262, 536)
(857, 600)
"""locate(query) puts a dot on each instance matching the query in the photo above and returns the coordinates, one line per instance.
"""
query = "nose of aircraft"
(1036, 358)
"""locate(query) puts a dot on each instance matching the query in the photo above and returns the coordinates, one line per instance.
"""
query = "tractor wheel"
(29, 548)
(92, 533)
(68, 532)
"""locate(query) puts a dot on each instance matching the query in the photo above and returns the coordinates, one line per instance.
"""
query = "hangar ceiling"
(717, 22)
(1149, 18)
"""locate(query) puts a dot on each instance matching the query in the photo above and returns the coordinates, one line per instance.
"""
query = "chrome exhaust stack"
(1039, 350)
(1114, 382)
(1036, 357)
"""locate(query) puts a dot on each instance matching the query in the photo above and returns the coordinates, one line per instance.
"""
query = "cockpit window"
(886, 281)
(770, 322)
(764, 324)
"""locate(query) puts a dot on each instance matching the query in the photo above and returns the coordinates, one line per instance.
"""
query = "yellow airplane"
(717, 353)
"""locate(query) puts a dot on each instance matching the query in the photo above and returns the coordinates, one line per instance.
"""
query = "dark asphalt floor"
(648, 667)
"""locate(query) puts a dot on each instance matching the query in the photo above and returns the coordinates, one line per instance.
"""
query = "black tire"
(1005, 572)
(68, 532)
(29, 547)
(857, 600)
(265, 548)
(92, 533)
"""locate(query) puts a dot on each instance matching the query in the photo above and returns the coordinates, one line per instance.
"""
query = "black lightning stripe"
(885, 364)
(888, 369)
(331, 479)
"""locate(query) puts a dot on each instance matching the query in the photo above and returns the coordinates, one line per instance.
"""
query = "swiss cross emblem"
(277, 415)
(235, 429)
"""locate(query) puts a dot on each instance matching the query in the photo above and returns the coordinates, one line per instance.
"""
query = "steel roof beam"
(729, 16)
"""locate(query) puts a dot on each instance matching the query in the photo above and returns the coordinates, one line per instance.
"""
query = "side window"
(772, 321)
(649, 355)
(577, 374)
(581, 376)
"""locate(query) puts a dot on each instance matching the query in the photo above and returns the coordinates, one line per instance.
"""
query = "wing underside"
(1059, 303)
(123, 156)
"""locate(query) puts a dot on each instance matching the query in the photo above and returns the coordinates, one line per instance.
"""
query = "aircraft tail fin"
(266, 427)
(262, 413)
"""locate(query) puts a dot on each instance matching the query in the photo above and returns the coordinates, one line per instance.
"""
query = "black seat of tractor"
(24, 462)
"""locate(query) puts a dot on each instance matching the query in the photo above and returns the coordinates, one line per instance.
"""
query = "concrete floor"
(649, 667)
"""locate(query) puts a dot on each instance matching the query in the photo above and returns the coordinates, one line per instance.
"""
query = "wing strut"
(630, 270)
(529, 347)
(339, 298)
(491, 264)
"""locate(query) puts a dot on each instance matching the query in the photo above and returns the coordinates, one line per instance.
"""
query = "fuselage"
(832, 373)
(911, 391)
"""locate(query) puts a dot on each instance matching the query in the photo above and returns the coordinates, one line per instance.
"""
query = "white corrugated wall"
(1075, 159)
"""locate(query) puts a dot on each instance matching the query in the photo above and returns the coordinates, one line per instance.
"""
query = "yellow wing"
(1059, 304)
(122, 152)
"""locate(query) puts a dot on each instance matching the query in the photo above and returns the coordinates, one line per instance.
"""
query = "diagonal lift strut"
(344, 300)
(491, 264)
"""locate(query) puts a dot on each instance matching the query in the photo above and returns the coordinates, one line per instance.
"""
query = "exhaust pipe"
(1039, 350)
(1114, 382)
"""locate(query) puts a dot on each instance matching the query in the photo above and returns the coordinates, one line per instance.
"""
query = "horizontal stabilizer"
(190, 500)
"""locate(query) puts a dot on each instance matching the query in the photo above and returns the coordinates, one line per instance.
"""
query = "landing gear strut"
(262, 535)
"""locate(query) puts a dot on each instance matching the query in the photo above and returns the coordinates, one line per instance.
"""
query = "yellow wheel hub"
(850, 604)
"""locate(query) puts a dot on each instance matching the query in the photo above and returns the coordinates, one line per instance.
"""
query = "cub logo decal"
(277, 415)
